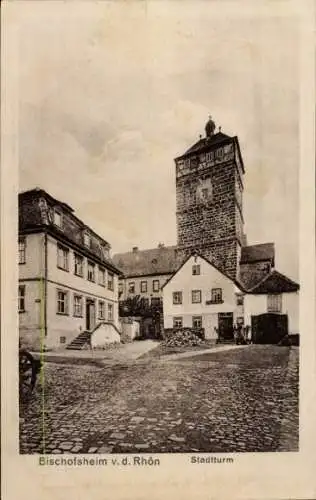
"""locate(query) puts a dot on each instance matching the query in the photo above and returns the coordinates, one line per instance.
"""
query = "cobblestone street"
(233, 401)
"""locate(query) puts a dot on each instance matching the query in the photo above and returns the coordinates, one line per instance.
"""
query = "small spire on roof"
(219, 129)
(210, 127)
(200, 136)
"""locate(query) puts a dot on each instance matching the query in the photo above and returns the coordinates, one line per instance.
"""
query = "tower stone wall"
(209, 190)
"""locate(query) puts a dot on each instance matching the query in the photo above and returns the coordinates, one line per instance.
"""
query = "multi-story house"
(68, 283)
(201, 296)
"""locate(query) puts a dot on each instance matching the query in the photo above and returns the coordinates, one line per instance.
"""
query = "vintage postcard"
(158, 249)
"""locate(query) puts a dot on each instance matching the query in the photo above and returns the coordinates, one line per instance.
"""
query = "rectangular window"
(177, 322)
(217, 295)
(78, 306)
(156, 286)
(102, 276)
(78, 265)
(58, 218)
(131, 287)
(22, 248)
(21, 298)
(101, 310)
(196, 296)
(110, 281)
(197, 322)
(239, 300)
(177, 297)
(110, 312)
(143, 286)
(196, 269)
(274, 303)
(91, 271)
(155, 301)
(62, 340)
(62, 302)
(62, 258)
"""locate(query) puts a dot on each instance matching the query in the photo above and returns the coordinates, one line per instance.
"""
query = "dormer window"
(87, 240)
(91, 272)
(106, 253)
(58, 218)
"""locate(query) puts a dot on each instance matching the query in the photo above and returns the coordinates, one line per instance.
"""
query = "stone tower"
(209, 187)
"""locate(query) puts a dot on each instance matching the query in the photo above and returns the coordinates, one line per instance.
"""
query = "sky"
(111, 92)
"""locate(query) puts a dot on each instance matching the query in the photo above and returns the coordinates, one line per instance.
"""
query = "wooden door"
(90, 315)
(269, 328)
(225, 326)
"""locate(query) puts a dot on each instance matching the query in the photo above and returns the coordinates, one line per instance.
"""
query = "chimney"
(161, 245)
(135, 249)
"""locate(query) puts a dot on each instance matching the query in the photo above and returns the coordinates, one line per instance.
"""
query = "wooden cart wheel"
(28, 369)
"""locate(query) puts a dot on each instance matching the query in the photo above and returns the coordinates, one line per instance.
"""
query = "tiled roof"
(256, 253)
(251, 275)
(206, 142)
(160, 260)
(36, 192)
(275, 282)
(34, 217)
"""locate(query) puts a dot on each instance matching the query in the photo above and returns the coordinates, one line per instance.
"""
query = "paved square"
(229, 401)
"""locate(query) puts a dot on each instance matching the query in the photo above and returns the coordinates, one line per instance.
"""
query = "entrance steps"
(80, 342)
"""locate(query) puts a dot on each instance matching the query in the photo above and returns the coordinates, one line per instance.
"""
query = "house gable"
(207, 265)
(208, 278)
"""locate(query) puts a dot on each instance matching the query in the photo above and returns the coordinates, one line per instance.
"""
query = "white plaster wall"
(31, 321)
(34, 257)
(290, 306)
(253, 305)
(131, 330)
(76, 282)
(104, 334)
(70, 326)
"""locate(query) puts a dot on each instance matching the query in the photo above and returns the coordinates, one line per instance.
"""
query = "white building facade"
(67, 282)
(199, 295)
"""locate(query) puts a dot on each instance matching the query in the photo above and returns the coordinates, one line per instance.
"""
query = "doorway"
(269, 328)
(90, 314)
(225, 326)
